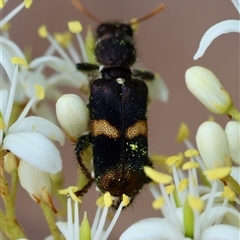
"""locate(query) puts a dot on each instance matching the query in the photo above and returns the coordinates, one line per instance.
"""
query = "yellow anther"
(157, 176)
(195, 203)
(100, 202)
(217, 173)
(40, 92)
(19, 61)
(183, 133)
(63, 39)
(172, 160)
(158, 203)
(134, 24)
(28, 3)
(70, 191)
(42, 31)
(191, 153)
(125, 200)
(159, 159)
(190, 165)
(183, 185)
(107, 199)
(228, 193)
(6, 26)
(169, 189)
(2, 3)
(75, 26)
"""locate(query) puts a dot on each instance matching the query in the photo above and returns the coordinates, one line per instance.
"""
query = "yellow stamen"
(195, 203)
(42, 31)
(75, 26)
(191, 153)
(169, 189)
(100, 202)
(134, 24)
(2, 3)
(85, 230)
(27, 3)
(172, 160)
(183, 133)
(228, 193)
(66, 190)
(40, 92)
(6, 26)
(159, 159)
(70, 191)
(19, 61)
(125, 200)
(157, 176)
(190, 165)
(63, 39)
(107, 199)
(217, 173)
(183, 185)
(158, 203)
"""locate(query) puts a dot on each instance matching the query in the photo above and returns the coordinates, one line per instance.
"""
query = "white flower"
(212, 143)
(28, 137)
(204, 85)
(71, 229)
(190, 211)
(216, 30)
(233, 134)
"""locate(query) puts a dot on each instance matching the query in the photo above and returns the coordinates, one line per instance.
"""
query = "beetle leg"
(82, 144)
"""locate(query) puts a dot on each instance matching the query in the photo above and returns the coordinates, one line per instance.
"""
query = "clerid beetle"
(118, 114)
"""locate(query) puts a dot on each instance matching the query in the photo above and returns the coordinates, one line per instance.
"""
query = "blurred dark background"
(166, 44)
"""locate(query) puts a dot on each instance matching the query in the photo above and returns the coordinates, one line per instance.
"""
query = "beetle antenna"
(155, 11)
(77, 4)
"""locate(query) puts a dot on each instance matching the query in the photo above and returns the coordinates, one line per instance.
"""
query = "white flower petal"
(221, 232)
(57, 64)
(36, 149)
(218, 212)
(12, 48)
(233, 134)
(5, 61)
(158, 89)
(35, 181)
(40, 125)
(213, 145)
(63, 227)
(213, 32)
(3, 101)
(150, 228)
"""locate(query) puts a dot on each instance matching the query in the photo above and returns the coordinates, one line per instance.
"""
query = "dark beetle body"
(117, 106)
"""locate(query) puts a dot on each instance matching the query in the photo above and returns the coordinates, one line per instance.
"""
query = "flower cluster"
(197, 197)
(205, 209)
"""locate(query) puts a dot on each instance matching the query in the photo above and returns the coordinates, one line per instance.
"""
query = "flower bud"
(10, 162)
(213, 145)
(73, 115)
(233, 134)
(205, 86)
(36, 183)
